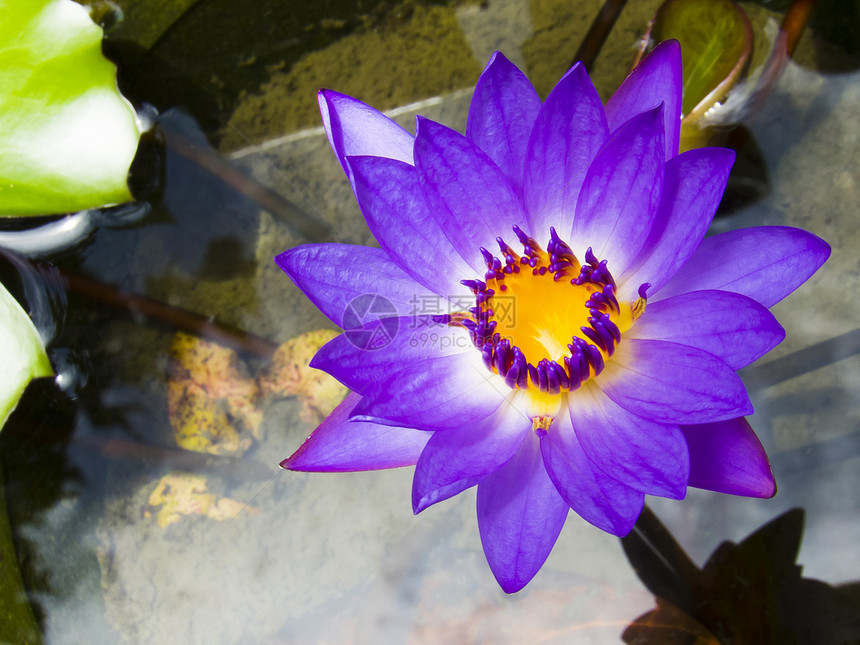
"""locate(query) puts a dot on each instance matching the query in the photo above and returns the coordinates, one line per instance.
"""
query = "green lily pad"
(17, 622)
(67, 136)
(23, 354)
(716, 39)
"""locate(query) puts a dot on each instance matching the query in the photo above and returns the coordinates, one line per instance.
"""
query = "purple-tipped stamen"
(533, 373)
(595, 358)
(593, 336)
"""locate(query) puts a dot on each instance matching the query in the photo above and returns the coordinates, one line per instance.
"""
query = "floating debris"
(211, 402)
(181, 494)
(290, 375)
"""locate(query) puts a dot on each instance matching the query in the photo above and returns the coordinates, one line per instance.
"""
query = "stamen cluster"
(588, 348)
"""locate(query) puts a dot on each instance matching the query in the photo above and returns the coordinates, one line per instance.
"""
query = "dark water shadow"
(750, 592)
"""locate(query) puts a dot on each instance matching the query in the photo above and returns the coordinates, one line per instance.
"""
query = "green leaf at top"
(67, 136)
(21, 352)
(715, 39)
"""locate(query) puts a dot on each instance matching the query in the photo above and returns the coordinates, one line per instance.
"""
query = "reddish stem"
(795, 21)
(268, 199)
(177, 458)
(790, 31)
(219, 332)
(598, 32)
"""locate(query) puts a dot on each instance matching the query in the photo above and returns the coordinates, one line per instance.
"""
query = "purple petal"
(410, 341)
(354, 128)
(434, 394)
(671, 383)
(644, 455)
(393, 205)
(693, 186)
(657, 79)
(765, 263)
(520, 515)
(334, 275)
(464, 189)
(340, 445)
(459, 458)
(727, 457)
(597, 498)
(569, 130)
(730, 326)
(503, 110)
(621, 191)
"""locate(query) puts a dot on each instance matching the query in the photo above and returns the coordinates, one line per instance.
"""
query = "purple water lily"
(593, 366)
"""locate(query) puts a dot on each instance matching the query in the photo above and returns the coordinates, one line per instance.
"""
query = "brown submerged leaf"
(749, 592)
(667, 625)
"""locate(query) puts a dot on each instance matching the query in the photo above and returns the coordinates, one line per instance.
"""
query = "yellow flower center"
(545, 322)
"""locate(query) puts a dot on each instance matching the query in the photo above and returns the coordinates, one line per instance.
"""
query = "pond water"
(138, 520)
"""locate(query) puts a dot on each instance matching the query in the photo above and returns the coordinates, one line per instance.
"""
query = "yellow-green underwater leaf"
(21, 352)
(67, 136)
(716, 39)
